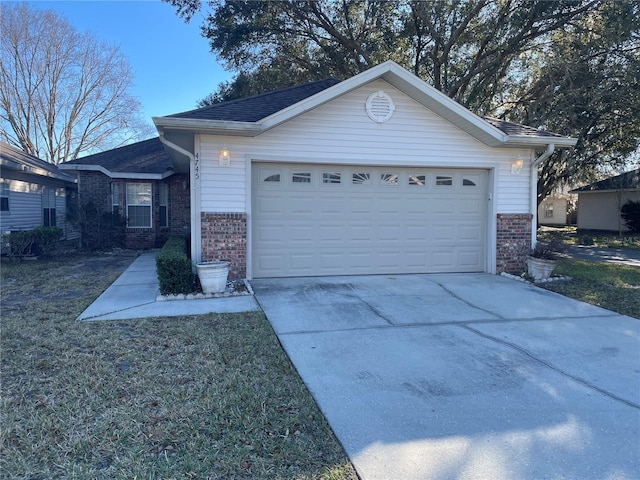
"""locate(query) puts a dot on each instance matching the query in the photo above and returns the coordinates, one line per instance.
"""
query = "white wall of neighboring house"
(553, 211)
(26, 206)
(340, 132)
(600, 210)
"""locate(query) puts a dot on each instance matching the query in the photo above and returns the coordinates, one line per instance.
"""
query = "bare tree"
(62, 93)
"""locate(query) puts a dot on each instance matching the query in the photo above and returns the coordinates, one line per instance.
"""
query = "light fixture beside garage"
(380, 107)
(224, 158)
(516, 165)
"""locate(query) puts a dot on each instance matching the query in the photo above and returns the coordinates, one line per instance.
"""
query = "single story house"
(34, 193)
(137, 181)
(377, 174)
(599, 203)
(557, 210)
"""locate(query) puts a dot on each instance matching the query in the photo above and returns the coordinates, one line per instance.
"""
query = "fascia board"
(210, 127)
(123, 175)
(527, 141)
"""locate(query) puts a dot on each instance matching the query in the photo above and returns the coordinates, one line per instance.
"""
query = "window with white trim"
(139, 205)
(48, 207)
(548, 210)
(4, 195)
(164, 205)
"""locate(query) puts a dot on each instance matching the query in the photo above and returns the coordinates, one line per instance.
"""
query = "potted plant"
(543, 259)
(213, 276)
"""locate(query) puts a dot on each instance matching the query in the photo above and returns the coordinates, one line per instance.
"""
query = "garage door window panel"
(389, 179)
(301, 177)
(444, 181)
(361, 178)
(331, 178)
(418, 180)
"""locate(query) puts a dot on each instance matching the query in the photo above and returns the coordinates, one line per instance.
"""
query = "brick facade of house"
(224, 237)
(96, 188)
(513, 242)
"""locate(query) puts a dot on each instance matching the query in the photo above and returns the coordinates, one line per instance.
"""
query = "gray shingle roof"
(253, 109)
(517, 129)
(148, 156)
(625, 181)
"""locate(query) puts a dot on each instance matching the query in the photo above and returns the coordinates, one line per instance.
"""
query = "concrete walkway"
(134, 293)
(474, 376)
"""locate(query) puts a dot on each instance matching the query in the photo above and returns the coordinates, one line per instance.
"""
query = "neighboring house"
(377, 174)
(599, 203)
(556, 209)
(34, 193)
(138, 182)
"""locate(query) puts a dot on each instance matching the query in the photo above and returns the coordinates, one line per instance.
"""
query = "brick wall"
(224, 237)
(513, 242)
(95, 187)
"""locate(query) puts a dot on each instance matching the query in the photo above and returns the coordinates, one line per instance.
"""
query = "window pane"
(441, 180)
(164, 220)
(139, 216)
(361, 179)
(468, 183)
(388, 179)
(302, 177)
(139, 193)
(420, 180)
(331, 177)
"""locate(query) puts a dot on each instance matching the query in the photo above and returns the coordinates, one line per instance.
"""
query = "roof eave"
(123, 175)
(528, 141)
(210, 127)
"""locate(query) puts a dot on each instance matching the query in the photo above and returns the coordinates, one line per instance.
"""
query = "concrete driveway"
(464, 376)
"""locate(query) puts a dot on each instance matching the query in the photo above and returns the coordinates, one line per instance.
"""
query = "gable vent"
(380, 107)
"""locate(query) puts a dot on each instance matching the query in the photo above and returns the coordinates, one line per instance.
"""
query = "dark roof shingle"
(623, 181)
(517, 129)
(253, 109)
(148, 156)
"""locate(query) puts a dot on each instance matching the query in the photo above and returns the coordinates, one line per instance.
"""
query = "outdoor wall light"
(224, 158)
(517, 165)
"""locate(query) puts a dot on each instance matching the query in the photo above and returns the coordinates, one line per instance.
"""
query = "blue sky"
(171, 62)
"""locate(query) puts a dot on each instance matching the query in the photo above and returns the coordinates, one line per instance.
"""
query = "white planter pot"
(540, 268)
(213, 276)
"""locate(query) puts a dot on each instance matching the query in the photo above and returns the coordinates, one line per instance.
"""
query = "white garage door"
(312, 220)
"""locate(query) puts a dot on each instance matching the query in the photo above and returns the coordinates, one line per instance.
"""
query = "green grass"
(608, 285)
(571, 236)
(206, 397)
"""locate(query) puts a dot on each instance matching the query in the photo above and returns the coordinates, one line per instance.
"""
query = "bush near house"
(39, 241)
(100, 230)
(630, 213)
(175, 272)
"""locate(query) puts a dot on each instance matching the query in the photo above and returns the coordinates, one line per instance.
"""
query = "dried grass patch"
(211, 396)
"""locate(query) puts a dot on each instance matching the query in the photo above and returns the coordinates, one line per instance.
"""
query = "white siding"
(341, 132)
(25, 207)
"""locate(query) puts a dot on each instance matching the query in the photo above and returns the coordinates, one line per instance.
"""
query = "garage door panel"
(396, 220)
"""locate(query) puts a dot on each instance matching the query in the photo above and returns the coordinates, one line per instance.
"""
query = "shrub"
(39, 241)
(46, 239)
(174, 269)
(630, 213)
(100, 230)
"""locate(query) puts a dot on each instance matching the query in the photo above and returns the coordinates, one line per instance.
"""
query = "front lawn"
(206, 397)
(608, 285)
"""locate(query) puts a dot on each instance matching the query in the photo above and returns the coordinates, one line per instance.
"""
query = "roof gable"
(146, 159)
(239, 118)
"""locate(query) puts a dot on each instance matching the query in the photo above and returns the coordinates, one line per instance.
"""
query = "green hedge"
(39, 241)
(175, 272)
